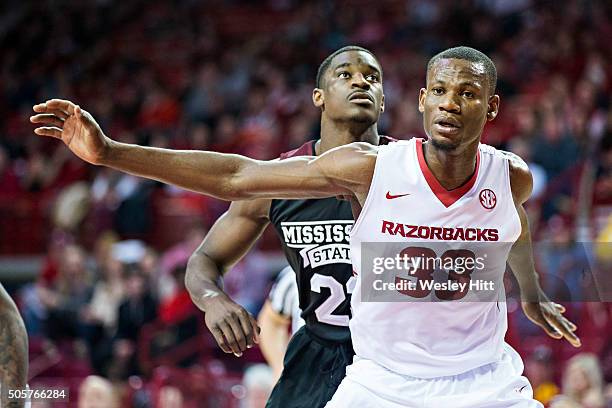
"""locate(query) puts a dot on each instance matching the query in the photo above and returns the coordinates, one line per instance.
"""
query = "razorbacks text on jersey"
(315, 238)
(429, 335)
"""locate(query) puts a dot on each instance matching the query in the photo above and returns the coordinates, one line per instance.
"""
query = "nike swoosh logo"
(391, 196)
(519, 390)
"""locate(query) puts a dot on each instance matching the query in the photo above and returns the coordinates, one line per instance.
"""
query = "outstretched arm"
(342, 171)
(229, 239)
(536, 305)
(13, 349)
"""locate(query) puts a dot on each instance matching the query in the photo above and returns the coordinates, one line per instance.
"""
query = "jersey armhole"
(370, 196)
(509, 187)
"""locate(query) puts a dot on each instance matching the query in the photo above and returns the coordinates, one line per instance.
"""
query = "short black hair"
(327, 61)
(472, 55)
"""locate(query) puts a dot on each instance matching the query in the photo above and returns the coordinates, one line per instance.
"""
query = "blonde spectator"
(97, 392)
(583, 381)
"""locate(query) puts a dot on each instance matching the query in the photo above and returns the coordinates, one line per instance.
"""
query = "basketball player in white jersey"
(451, 188)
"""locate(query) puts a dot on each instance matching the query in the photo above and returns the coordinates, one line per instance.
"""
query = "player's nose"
(359, 81)
(449, 103)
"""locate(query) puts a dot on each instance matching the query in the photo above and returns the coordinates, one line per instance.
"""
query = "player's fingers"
(43, 108)
(47, 118)
(545, 325)
(247, 328)
(232, 343)
(49, 131)
(62, 105)
(558, 322)
(560, 308)
(570, 325)
(220, 339)
(241, 336)
(256, 329)
(568, 329)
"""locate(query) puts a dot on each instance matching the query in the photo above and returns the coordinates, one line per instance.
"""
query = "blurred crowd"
(237, 76)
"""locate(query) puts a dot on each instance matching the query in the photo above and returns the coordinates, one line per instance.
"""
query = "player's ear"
(493, 107)
(382, 104)
(318, 97)
(422, 94)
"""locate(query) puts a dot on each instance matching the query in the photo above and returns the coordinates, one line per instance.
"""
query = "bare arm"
(342, 171)
(274, 337)
(13, 349)
(536, 305)
(229, 239)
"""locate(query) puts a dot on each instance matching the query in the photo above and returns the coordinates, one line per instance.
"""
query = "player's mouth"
(447, 125)
(361, 98)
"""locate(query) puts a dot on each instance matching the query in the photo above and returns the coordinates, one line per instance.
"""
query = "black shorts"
(313, 369)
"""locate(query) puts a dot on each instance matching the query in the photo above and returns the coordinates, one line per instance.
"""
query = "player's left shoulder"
(521, 180)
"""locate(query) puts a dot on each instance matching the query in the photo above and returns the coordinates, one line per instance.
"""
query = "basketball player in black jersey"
(314, 236)
(13, 351)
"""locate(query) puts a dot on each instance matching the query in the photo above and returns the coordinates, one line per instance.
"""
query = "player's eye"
(468, 94)
(437, 91)
(344, 75)
(372, 78)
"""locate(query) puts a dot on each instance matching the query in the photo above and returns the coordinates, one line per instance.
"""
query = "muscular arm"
(229, 239)
(13, 348)
(536, 305)
(345, 170)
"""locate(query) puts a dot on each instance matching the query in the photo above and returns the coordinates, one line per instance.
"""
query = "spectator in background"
(97, 392)
(177, 256)
(554, 149)
(169, 397)
(539, 369)
(9, 182)
(100, 315)
(178, 306)
(583, 382)
(138, 309)
(564, 262)
(522, 148)
(258, 383)
(67, 296)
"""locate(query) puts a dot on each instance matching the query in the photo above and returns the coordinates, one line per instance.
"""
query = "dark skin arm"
(13, 349)
(228, 241)
(346, 170)
(536, 305)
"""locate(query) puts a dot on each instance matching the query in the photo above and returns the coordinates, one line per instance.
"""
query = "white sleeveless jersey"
(420, 332)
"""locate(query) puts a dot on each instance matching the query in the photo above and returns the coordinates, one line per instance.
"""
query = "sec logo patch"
(487, 199)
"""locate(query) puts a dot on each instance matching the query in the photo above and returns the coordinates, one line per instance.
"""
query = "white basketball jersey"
(422, 332)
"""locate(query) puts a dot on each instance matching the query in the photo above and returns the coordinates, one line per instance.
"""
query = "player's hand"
(234, 329)
(75, 127)
(549, 316)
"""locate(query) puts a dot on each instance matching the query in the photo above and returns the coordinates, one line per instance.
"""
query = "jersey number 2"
(335, 299)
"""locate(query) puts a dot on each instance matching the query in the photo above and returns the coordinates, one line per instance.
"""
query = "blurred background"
(96, 258)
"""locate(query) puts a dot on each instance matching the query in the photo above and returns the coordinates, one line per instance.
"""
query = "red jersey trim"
(307, 149)
(446, 197)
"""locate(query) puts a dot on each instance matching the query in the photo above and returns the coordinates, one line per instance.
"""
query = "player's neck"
(451, 168)
(339, 134)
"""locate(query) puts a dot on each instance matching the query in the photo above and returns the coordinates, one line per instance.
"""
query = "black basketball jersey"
(315, 238)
